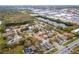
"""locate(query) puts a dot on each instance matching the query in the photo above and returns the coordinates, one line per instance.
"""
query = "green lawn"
(75, 50)
(51, 51)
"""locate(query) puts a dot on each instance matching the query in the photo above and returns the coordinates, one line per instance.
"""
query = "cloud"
(39, 2)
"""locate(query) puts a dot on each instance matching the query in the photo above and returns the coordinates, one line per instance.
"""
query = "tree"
(77, 34)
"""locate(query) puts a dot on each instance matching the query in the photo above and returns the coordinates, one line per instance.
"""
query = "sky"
(39, 2)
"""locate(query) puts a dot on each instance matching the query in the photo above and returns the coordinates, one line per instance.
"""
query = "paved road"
(66, 50)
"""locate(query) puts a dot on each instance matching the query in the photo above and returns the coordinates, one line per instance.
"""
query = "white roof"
(77, 30)
(8, 30)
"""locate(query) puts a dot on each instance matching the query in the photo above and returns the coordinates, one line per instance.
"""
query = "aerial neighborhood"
(39, 30)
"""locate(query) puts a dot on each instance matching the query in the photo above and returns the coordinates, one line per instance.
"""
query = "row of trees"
(16, 22)
(57, 20)
(3, 44)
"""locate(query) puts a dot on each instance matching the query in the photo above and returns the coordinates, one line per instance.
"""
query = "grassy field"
(70, 41)
(16, 17)
(51, 51)
(76, 50)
